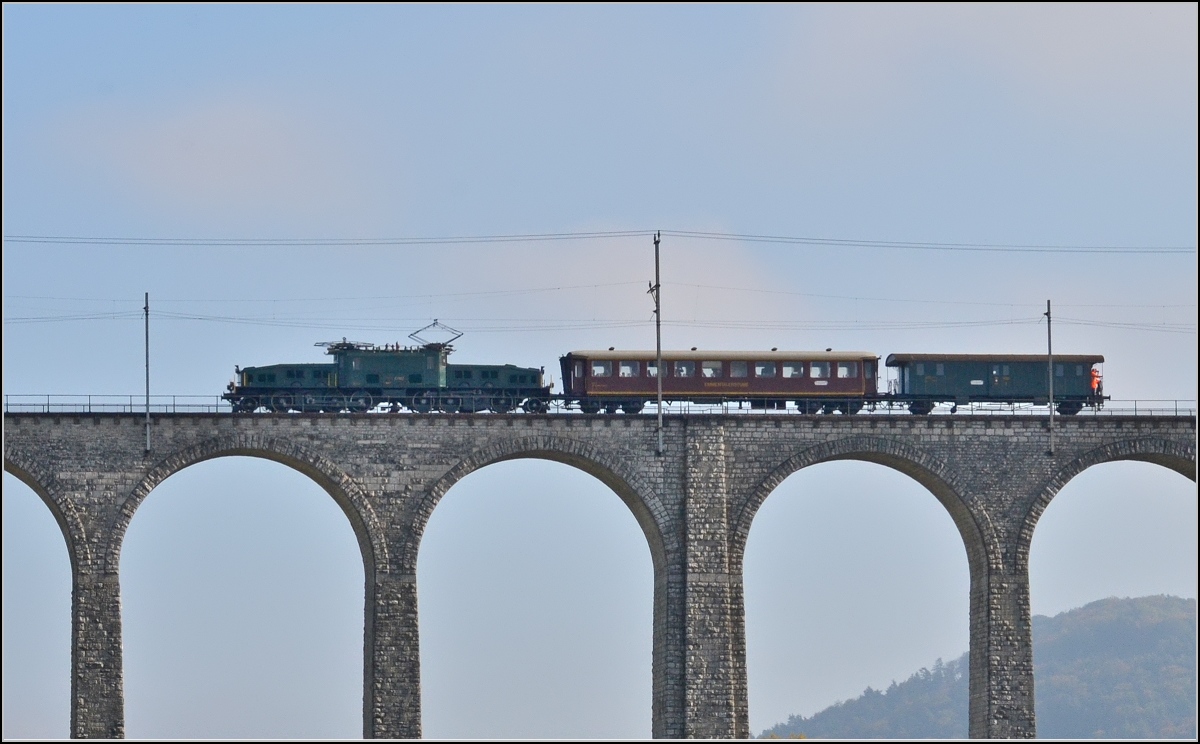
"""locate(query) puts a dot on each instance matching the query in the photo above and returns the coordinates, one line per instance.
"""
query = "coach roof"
(724, 355)
(896, 360)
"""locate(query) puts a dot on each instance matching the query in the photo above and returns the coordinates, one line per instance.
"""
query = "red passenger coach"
(813, 380)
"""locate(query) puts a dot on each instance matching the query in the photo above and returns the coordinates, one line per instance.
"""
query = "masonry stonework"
(695, 505)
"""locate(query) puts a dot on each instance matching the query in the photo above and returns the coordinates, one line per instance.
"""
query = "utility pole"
(146, 309)
(656, 290)
(1050, 375)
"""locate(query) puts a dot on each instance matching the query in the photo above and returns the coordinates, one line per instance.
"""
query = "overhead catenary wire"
(811, 241)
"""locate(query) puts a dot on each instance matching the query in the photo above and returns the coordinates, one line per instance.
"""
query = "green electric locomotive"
(364, 377)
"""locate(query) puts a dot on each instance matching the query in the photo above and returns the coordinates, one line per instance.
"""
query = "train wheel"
(535, 405)
(421, 403)
(1069, 408)
(502, 404)
(920, 407)
(589, 406)
(633, 406)
(359, 401)
(248, 405)
(281, 402)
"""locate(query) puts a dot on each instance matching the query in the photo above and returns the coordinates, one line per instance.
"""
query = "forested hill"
(1116, 668)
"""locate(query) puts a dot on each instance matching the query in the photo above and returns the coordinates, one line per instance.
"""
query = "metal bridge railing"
(114, 404)
(160, 404)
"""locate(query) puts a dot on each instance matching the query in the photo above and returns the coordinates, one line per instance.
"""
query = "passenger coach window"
(819, 369)
(601, 369)
(629, 369)
(739, 369)
(849, 370)
(579, 369)
(869, 370)
(710, 369)
(685, 369)
(793, 369)
(652, 369)
(764, 369)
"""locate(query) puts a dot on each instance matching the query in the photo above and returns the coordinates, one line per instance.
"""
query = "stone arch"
(608, 467)
(323, 471)
(1175, 455)
(30, 472)
(973, 526)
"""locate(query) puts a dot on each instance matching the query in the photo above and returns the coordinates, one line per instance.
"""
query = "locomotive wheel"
(281, 402)
(248, 405)
(358, 401)
(502, 404)
(535, 405)
(421, 403)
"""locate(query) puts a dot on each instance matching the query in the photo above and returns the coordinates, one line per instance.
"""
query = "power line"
(600, 234)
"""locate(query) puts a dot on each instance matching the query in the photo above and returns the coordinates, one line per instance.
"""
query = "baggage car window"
(793, 369)
(685, 369)
(764, 369)
(710, 369)
(1079, 370)
(629, 369)
(940, 370)
(739, 369)
(1058, 370)
(920, 369)
(601, 369)
(849, 370)
(819, 369)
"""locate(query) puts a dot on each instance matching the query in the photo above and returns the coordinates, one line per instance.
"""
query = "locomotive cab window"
(685, 369)
(739, 369)
(819, 370)
(601, 369)
(849, 370)
(710, 369)
(764, 369)
(793, 369)
(628, 369)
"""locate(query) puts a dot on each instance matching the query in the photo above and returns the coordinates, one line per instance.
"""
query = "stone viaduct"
(695, 504)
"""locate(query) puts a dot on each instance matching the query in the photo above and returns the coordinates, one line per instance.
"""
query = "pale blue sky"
(1046, 125)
